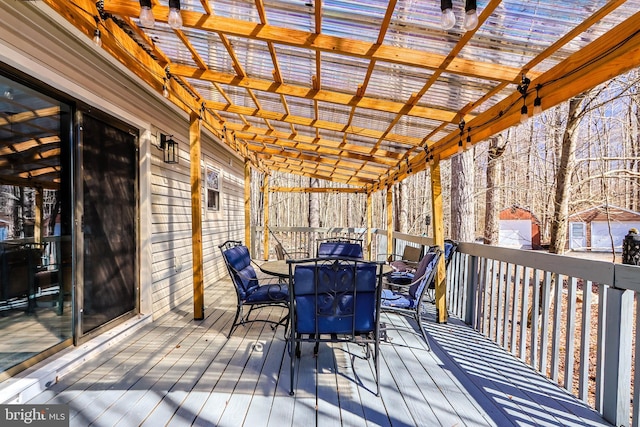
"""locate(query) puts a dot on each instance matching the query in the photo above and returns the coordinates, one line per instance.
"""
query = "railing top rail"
(596, 271)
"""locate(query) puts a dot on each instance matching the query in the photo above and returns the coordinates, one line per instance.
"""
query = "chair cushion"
(244, 276)
(268, 293)
(396, 299)
(340, 249)
(426, 265)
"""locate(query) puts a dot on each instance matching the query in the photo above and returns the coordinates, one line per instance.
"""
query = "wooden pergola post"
(389, 207)
(265, 192)
(438, 237)
(247, 203)
(196, 215)
(37, 220)
(369, 224)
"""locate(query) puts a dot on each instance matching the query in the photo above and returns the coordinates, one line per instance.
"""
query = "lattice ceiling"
(363, 92)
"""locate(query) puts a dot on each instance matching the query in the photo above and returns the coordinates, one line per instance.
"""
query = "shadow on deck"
(177, 371)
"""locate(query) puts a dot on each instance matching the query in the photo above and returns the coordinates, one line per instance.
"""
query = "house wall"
(41, 44)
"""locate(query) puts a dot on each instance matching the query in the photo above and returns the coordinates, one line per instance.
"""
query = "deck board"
(177, 371)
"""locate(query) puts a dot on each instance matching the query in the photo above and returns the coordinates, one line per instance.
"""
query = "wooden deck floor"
(181, 372)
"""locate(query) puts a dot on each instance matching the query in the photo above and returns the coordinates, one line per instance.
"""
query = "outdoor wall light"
(169, 148)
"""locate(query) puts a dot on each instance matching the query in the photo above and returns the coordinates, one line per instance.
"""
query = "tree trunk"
(462, 200)
(314, 215)
(494, 189)
(563, 178)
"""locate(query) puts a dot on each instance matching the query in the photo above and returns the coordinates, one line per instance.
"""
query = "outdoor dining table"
(280, 268)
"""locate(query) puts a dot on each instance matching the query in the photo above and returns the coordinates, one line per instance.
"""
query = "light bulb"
(448, 19)
(524, 114)
(146, 17)
(97, 40)
(175, 19)
(460, 147)
(165, 91)
(470, 20)
(537, 106)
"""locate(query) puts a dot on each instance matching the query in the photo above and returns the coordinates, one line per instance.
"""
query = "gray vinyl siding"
(172, 271)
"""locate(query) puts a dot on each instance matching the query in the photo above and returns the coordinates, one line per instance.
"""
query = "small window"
(213, 189)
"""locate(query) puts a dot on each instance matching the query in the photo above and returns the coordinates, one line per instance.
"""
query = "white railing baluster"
(507, 298)
(503, 303)
(535, 306)
(635, 418)
(486, 292)
(585, 344)
(524, 311)
(602, 312)
(544, 333)
(516, 305)
(557, 318)
(494, 298)
(569, 356)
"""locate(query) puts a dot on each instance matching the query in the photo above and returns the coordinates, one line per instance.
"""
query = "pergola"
(362, 93)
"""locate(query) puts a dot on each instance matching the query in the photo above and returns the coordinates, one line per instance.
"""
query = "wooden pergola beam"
(305, 92)
(316, 190)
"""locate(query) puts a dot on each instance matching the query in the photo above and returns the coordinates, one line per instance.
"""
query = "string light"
(523, 87)
(448, 19)
(97, 38)
(165, 84)
(537, 103)
(146, 14)
(461, 126)
(175, 19)
(470, 15)
(165, 89)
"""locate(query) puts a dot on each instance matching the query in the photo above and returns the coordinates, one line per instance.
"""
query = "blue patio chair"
(335, 300)
(340, 247)
(250, 290)
(406, 300)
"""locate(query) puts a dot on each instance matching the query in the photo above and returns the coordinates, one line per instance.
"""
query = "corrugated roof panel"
(353, 19)
(334, 112)
(396, 82)
(452, 92)
(253, 56)
(296, 65)
(342, 74)
(416, 127)
(270, 101)
(372, 119)
(295, 15)
(517, 32)
(238, 9)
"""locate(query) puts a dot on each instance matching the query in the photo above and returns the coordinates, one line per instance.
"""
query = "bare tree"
(564, 175)
(462, 197)
(497, 146)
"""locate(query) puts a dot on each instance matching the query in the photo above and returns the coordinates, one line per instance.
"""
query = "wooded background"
(580, 154)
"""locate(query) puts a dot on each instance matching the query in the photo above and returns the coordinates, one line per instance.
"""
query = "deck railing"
(573, 320)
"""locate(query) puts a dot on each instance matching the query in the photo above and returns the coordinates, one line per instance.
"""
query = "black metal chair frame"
(415, 313)
(240, 318)
(363, 338)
